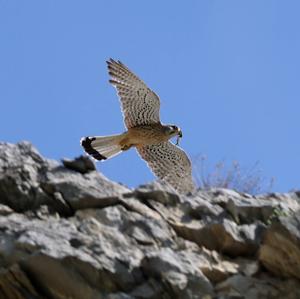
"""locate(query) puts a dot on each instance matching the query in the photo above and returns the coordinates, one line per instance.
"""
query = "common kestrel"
(145, 132)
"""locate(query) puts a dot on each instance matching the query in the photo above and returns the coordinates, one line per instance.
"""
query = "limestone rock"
(82, 164)
(14, 283)
(28, 181)
(261, 287)
(81, 191)
(280, 250)
(21, 170)
(66, 231)
(179, 273)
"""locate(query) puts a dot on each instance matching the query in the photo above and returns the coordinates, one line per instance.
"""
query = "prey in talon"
(178, 137)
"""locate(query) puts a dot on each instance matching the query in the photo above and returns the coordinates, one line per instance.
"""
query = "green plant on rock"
(277, 212)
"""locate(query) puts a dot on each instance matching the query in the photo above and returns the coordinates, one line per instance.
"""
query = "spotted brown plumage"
(140, 107)
(170, 164)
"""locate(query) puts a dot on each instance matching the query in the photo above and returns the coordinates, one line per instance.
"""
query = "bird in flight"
(140, 107)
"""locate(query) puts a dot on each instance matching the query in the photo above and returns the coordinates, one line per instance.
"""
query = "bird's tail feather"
(102, 147)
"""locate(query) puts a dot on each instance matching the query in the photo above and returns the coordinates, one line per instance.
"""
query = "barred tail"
(102, 147)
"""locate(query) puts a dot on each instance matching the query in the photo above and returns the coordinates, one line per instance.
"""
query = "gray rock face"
(28, 181)
(68, 232)
(280, 251)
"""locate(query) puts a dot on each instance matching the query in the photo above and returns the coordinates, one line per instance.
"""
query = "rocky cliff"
(69, 232)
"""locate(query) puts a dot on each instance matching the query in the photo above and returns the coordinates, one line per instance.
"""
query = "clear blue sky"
(227, 72)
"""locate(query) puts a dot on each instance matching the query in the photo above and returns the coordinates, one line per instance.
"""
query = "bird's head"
(173, 131)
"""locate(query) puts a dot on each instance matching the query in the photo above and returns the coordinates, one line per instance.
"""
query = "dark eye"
(174, 128)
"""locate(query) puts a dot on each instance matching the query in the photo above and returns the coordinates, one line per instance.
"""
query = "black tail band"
(86, 143)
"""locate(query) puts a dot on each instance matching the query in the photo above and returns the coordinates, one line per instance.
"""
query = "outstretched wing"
(140, 105)
(170, 164)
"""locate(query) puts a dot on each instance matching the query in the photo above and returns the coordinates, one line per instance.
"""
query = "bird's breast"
(146, 135)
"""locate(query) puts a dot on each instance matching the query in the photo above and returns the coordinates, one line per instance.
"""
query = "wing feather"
(170, 164)
(140, 105)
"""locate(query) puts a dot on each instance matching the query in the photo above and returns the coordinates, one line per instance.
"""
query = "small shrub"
(247, 180)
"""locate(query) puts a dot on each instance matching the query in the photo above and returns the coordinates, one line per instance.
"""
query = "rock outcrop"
(69, 232)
